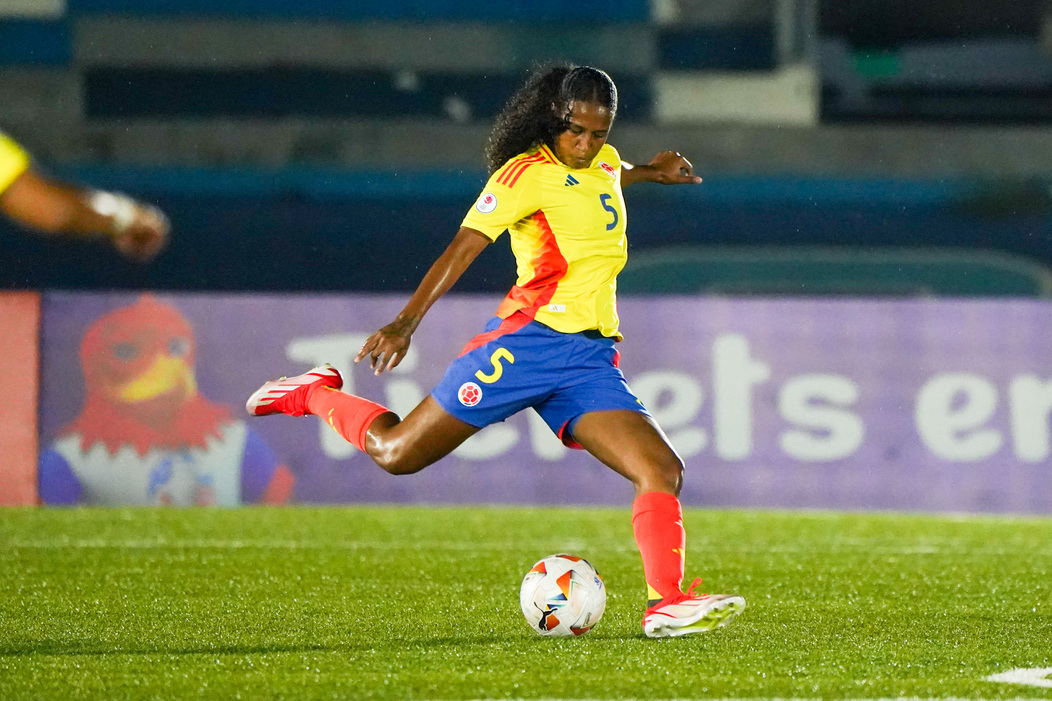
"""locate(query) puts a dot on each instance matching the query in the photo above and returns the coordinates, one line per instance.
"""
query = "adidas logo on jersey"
(571, 180)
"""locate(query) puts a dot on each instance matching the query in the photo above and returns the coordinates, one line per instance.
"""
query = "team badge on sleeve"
(487, 202)
(469, 394)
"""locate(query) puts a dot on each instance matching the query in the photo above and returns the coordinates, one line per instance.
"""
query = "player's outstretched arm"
(138, 231)
(387, 347)
(667, 168)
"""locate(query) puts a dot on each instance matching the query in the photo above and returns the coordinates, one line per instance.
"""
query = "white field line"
(618, 545)
(204, 544)
(212, 544)
(1035, 676)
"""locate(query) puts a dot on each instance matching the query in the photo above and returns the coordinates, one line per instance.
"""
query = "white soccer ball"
(562, 595)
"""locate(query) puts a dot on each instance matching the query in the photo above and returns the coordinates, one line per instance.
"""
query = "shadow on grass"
(92, 648)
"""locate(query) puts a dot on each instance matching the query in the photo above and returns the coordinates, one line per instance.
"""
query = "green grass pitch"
(418, 602)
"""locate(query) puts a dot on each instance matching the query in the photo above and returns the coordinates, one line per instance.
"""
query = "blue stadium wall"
(315, 230)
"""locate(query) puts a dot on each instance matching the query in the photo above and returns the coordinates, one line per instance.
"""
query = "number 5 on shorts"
(498, 369)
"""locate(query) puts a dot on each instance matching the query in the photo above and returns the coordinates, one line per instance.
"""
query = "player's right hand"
(387, 347)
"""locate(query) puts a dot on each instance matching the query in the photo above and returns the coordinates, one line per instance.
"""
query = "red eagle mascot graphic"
(146, 435)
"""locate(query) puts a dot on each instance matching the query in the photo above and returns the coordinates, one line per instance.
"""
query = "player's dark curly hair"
(539, 110)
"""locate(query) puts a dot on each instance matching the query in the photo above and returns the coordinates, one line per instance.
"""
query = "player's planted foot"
(288, 395)
(688, 613)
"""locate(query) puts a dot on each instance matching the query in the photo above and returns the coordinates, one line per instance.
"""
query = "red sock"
(657, 522)
(349, 415)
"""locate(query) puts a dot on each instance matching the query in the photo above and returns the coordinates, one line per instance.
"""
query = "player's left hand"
(144, 236)
(671, 168)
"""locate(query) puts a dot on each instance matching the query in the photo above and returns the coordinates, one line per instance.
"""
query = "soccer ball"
(562, 595)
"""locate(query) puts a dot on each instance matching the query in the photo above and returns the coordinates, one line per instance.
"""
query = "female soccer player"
(555, 186)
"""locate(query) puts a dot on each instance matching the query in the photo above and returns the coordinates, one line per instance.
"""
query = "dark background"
(342, 165)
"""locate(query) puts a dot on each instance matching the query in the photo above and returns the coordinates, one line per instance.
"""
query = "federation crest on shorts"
(487, 202)
(469, 394)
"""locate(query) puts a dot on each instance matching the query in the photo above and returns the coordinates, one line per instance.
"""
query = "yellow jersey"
(567, 229)
(13, 161)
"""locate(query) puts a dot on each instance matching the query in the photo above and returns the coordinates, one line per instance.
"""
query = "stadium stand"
(960, 61)
(299, 124)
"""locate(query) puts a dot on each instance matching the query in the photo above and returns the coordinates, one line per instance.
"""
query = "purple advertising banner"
(910, 405)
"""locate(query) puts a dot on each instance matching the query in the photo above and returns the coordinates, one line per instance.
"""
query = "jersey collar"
(550, 155)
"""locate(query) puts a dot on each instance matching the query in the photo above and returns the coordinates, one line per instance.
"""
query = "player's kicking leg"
(288, 395)
(399, 446)
(317, 391)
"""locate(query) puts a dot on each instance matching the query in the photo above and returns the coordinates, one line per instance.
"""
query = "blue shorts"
(513, 365)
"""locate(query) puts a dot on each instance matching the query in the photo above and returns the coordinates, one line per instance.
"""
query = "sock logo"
(469, 394)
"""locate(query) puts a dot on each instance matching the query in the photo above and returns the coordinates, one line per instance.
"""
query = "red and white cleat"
(684, 614)
(288, 395)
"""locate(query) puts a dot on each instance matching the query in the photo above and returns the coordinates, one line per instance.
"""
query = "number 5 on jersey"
(498, 369)
(606, 205)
